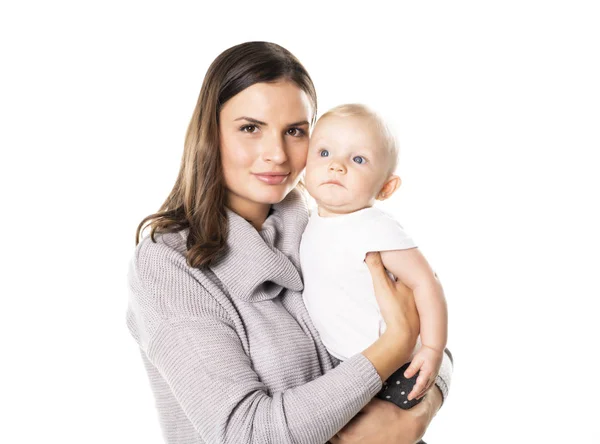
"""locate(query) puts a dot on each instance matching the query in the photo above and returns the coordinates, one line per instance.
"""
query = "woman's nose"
(274, 151)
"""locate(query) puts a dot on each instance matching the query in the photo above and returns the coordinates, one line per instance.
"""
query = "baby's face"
(346, 165)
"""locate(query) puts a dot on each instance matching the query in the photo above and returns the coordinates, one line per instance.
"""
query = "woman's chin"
(272, 195)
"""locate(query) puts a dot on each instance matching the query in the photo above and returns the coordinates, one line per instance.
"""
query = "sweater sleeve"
(203, 360)
(212, 378)
(444, 377)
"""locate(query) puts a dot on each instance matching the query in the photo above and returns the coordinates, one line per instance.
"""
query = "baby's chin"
(337, 205)
(334, 198)
(328, 196)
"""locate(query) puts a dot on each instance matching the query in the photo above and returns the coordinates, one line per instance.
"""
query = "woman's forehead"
(282, 100)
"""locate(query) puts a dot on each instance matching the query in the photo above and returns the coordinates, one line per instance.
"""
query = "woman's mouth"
(272, 178)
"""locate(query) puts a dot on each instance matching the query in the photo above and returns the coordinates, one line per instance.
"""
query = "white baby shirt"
(338, 289)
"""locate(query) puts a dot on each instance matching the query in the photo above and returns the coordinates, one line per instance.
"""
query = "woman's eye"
(296, 132)
(324, 153)
(249, 129)
(359, 159)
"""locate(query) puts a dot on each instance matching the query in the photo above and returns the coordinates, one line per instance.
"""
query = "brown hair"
(197, 200)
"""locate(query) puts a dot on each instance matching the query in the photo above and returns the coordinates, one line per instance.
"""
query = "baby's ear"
(389, 187)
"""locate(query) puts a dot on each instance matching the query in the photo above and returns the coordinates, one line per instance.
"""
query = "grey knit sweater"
(230, 351)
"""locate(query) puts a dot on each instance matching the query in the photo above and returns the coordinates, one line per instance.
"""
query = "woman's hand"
(397, 305)
(396, 301)
(381, 422)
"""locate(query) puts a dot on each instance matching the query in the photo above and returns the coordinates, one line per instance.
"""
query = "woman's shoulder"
(172, 241)
(161, 280)
(156, 256)
(163, 289)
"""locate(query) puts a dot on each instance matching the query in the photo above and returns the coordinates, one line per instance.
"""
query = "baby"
(351, 160)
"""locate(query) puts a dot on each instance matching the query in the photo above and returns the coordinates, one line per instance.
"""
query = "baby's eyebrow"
(259, 122)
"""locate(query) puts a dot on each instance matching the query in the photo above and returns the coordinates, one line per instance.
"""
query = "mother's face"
(264, 132)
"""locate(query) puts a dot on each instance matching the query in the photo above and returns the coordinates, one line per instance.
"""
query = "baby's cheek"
(309, 172)
(309, 180)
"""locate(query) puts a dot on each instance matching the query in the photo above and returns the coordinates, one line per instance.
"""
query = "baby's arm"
(412, 269)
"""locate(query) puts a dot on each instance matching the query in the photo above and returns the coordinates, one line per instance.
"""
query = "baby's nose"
(336, 167)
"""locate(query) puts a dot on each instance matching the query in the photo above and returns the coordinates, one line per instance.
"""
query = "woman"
(215, 300)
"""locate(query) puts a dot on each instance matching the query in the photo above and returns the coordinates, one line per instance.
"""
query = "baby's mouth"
(333, 182)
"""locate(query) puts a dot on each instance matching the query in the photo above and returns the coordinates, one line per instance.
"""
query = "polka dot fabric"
(397, 388)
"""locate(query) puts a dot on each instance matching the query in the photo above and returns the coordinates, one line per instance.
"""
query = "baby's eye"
(324, 153)
(359, 159)
(249, 129)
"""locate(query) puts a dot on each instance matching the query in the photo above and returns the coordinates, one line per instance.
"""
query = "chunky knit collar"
(259, 265)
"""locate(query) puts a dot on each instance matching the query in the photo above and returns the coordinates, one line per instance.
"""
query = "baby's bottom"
(397, 388)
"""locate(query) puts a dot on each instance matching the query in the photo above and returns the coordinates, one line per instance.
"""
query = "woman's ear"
(389, 187)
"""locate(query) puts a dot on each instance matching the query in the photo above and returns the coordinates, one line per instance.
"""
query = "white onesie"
(338, 289)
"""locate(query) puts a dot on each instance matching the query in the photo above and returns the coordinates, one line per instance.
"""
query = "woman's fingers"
(400, 286)
(405, 294)
(378, 273)
(395, 300)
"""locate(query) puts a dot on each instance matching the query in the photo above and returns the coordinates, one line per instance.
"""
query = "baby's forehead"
(336, 119)
(364, 130)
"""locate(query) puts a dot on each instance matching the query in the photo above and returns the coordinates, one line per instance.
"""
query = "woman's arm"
(382, 422)
(398, 309)
(213, 379)
(444, 378)
(203, 361)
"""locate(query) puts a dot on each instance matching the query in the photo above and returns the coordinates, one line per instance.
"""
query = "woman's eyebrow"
(258, 122)
(303, 122)
(250, 119)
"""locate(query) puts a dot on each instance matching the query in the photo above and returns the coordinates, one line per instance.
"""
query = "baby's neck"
(334, 212)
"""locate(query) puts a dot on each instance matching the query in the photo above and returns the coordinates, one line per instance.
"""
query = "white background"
(497, 109)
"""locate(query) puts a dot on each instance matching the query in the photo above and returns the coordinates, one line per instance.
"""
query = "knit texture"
(230, 351)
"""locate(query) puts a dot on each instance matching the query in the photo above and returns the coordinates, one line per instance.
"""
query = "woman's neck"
(255, 213)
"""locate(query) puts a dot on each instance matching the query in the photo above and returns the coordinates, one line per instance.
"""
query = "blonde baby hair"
(387, 137)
